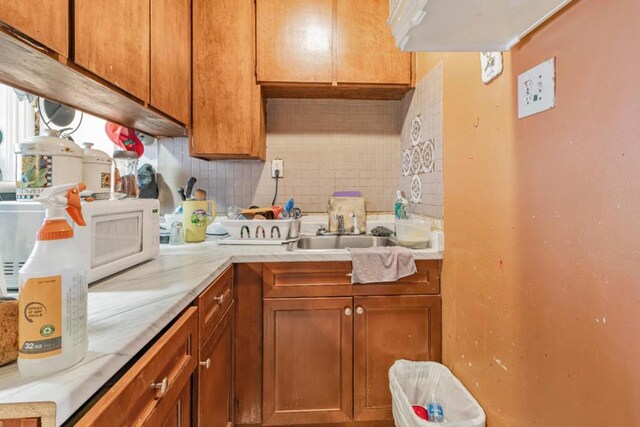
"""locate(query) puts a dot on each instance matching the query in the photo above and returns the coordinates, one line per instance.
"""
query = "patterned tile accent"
(421, 152)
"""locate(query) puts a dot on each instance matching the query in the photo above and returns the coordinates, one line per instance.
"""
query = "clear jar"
(124, 177)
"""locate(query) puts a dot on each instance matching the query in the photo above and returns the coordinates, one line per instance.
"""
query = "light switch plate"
(537, 89)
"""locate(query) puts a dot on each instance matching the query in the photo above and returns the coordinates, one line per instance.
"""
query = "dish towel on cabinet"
(381, 264)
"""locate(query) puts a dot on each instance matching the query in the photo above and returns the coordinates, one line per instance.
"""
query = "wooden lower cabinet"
(316, 354)
(214, 380)
(307, 360)
(180, 415)
(328, 345)
(313, 347)
(386, 329)
(156, 389)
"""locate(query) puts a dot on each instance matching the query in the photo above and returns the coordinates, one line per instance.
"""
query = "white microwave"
(119, 234)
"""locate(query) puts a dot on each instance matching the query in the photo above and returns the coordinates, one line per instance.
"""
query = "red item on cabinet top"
(124, 138)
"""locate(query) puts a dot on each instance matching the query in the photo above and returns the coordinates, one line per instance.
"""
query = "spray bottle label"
(40, 324)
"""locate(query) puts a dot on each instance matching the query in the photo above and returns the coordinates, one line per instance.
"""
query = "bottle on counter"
(124, 177)
(53, 290)
(401, 207)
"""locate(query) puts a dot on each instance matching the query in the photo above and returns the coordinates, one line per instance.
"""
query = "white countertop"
(129, 309)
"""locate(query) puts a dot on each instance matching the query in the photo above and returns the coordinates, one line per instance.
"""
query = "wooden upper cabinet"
(365, 50)
(171, 58)
(228, 110)
(388, 329)
(308, 362)
(295, 41)
(111, 39)
(46, 22)
(329, 49)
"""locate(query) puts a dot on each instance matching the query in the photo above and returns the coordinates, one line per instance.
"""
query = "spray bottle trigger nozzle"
(74, 208)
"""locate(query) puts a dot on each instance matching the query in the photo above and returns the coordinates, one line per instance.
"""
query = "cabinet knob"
(220, 299)
(162, 386)
(359, 310)
(347, 311)
(206, 363)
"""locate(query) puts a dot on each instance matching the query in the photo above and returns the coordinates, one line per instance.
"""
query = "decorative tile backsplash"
(421, 146)
(326, 145)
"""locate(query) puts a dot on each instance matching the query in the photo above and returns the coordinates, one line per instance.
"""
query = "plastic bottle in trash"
(434, 409)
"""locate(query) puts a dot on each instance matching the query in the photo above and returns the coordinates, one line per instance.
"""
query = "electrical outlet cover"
(277, 164)
(537, 89)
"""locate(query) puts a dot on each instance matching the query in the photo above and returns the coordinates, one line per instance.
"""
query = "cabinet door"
(388, 329)
(171, 58)
(112, 40)
(308, 363)
(295, 41)
(180, 413)
(149, 391)
(214, 376)
(46, 22)
(227, 104)
(366, 51)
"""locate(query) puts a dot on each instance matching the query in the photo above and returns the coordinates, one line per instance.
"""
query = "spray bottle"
(401, 206)
(52, 326)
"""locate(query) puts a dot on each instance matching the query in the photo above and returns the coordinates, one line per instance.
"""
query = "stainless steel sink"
(339, 242)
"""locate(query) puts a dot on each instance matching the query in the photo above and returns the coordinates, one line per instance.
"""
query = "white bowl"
(413, 233)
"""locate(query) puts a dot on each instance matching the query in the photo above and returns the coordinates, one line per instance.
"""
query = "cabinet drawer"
(213, 303)
(317, 279)
(160, 375)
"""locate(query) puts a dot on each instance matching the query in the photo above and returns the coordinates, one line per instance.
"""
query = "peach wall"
(541, 277)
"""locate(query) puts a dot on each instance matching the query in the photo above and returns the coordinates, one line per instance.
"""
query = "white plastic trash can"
(412, 383)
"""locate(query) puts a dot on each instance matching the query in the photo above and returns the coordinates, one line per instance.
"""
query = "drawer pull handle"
(348, 311)
(162, 386)
(359, 310)
(206, 363)
(220, 299)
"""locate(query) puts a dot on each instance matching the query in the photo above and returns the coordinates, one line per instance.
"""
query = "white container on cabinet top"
(466, 25)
